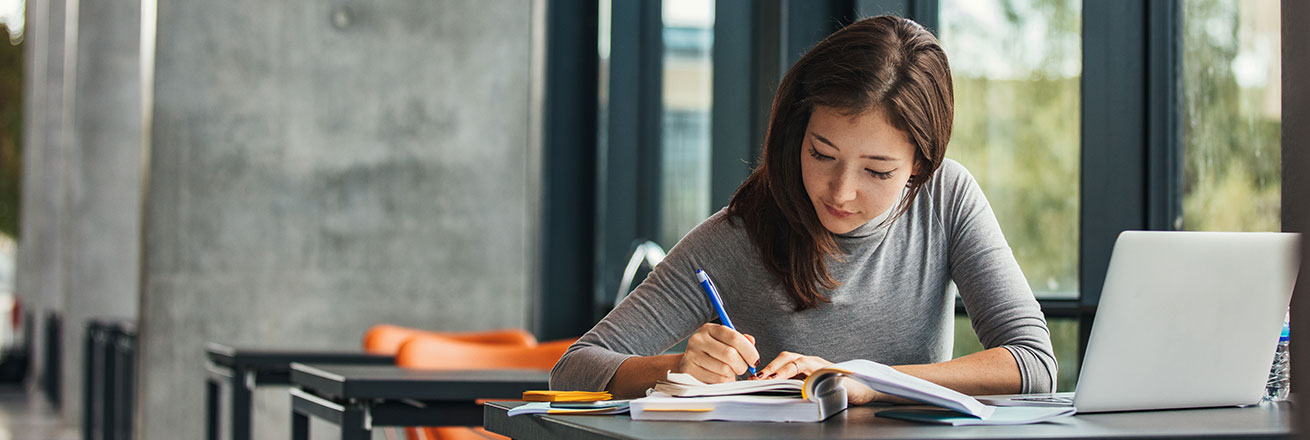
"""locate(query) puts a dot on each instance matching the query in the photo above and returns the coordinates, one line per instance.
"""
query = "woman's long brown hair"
(883, 62)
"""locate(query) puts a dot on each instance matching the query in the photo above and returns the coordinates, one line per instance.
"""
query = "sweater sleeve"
(662, 311)
(997, 297)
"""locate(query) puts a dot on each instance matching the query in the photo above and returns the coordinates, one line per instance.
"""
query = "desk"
(246, 369)
(357, 398)
(1263, 421)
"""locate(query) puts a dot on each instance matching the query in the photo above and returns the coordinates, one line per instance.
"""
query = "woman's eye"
(818, 156)
(880, 175)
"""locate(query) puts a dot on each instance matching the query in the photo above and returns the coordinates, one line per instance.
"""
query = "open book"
(682, 397)
(686, 385)
(817, 398)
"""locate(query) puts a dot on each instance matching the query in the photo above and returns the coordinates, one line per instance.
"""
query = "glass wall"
(685, 126)
(1231, 115)
(1016, 66)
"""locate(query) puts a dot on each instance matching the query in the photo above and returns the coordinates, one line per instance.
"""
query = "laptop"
(1185, 320)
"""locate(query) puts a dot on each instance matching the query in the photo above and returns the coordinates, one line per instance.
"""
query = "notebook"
(1186, 319)
(819, 397)
(564, 396)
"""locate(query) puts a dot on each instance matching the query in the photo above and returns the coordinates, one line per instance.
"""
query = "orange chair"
(387, 338)
(441, 353)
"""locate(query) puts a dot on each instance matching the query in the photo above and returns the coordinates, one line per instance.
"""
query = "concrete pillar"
(33, 80)
(41, 249)
(25, 279)
(319, 166)
(104, 179)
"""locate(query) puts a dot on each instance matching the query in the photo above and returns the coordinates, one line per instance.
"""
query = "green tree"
(1231, 160)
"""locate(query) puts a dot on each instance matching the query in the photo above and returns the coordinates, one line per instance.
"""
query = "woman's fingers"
(743, 347)
(726, 358)
(790, 365)
(718, 354)
(775, 366)
(714, 372)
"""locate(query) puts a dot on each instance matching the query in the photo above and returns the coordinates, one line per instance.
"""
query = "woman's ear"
(915, 171)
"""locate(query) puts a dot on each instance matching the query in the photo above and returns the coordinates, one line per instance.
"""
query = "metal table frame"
(108, 379)
(359, 398)
(245, 369)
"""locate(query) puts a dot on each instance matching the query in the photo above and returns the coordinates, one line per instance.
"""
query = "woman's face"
(854, 167)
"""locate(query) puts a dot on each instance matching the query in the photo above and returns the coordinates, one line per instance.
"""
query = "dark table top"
(279, 360)
(391, 382)
(1263, 421)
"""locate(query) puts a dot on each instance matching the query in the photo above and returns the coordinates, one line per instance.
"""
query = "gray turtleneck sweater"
(892, 305)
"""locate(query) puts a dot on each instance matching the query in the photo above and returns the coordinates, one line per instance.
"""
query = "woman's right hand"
(717, 354)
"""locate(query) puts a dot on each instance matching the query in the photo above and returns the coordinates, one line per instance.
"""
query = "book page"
(685, 385)
(885, 379)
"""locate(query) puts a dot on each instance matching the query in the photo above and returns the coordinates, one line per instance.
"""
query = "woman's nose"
(843, 187)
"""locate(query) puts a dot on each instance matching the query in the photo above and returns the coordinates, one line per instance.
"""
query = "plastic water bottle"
(1280, 382)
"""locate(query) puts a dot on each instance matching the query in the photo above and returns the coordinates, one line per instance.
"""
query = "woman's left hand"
(791, 365)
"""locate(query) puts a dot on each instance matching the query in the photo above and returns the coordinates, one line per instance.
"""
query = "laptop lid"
(1187, 319)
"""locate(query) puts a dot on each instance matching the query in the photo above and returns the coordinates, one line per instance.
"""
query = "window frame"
(627, 177)
(568, 184)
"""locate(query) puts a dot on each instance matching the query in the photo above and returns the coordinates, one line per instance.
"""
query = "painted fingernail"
(757, 362)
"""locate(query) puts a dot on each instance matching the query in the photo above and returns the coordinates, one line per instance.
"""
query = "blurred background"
(287, 174)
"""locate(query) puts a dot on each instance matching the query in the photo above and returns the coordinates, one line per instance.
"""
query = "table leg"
(299, 425)
(243, 386)
(89, 377)
(211, 408)
(354, 425)
(107, 397)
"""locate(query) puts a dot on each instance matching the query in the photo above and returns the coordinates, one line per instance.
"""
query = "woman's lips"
(836, 212)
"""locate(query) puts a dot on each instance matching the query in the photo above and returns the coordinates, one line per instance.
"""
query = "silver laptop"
(1186, 319)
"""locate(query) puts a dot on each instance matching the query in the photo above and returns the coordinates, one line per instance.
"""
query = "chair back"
(386, 338)
(429, 352)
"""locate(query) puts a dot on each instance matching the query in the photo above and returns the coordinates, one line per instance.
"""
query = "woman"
(840, 245)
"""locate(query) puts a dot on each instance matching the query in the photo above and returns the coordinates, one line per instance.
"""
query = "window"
(1231, 114)
(653, 131)
(1016, 67)
(1169, 110)
(685, 150)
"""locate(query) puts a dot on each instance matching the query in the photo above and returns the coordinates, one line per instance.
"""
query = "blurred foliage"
(11, 134)
(1231, 160)
(1019, 133)
(1020, 140)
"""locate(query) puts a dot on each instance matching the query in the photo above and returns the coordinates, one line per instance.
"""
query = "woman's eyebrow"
(867, 156)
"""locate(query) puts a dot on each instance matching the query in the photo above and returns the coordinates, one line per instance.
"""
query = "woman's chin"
(839, 226)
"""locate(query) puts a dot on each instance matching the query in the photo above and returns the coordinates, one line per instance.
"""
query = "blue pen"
(717, 302)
